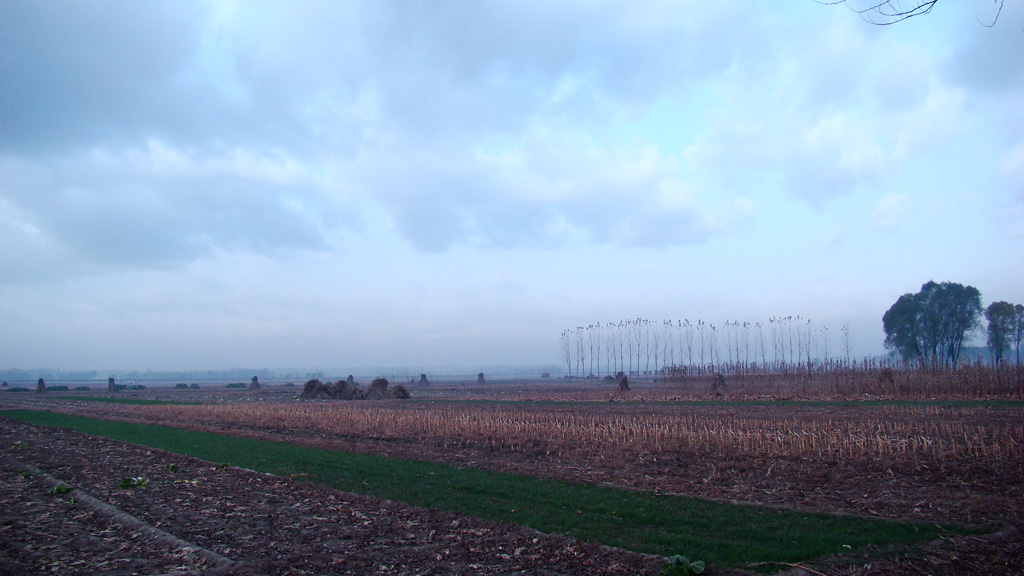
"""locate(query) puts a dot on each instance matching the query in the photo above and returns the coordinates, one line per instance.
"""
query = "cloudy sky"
(217, 184)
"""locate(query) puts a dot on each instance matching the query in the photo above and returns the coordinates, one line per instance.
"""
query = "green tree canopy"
(1018, 329)
(932, 324)
(1002, 318)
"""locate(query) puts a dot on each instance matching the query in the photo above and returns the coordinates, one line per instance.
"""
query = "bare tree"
(648, 343)
(590, 345)
(609, 344)
(638, 336)
(713, 346)
(746, 346)
(620, 336)
(847, 340)
(796, 342)
(688, 336)
(808, 339)
(567, 349)
(778, 343)
(667, 348)
(702, 336)
(826, 340)
(630, 343)
(727, 333)
(655, 340)
(789, 331)
(760, 343)
(886, 12)
(581, 351)
(736, 339)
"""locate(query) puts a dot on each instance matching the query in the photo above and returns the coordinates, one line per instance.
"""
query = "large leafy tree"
(1002, 319)
(903, 329)
(932, 324)
(1018, 328)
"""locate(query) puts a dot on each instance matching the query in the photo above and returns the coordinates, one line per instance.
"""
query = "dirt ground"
(259, 524)
(976, 493)
(270, 525)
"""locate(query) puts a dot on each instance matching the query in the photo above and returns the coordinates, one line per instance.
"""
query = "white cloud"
(1013, 165)
(987, 59)
(891, 211)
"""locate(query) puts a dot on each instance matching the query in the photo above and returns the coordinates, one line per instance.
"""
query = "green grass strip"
(720, 533)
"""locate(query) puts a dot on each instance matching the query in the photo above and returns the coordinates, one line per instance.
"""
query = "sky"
(215, 184)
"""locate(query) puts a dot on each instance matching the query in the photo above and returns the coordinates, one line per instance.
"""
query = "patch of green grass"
(59, 489)
(656, 524)
(134, 482)
(682, 566)
(125, 400)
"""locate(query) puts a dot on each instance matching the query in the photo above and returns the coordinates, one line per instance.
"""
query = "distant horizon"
(441, 373)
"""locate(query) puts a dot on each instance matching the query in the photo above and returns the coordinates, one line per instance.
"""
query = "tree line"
(641, 346)
(926, 328)
(930, 326)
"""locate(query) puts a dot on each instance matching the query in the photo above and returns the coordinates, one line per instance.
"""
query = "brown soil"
(979, 493)
(990, 497)
(262, 524)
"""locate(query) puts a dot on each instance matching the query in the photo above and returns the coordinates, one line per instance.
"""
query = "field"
(940, 453)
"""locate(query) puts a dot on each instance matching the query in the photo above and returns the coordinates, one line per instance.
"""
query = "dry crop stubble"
(898, 433)
(942, 463)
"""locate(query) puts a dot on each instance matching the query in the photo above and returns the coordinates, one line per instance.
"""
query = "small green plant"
(682, 566)
(59, 489)
(19, 445)
(171, 468)
(136, 482)
(25, 474)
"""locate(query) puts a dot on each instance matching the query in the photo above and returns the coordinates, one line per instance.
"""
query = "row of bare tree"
(650, 347)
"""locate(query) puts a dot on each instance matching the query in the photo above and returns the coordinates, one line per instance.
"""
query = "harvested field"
(261, 524)
(950, 462)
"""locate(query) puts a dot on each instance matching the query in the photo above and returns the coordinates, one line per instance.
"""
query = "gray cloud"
(376, 89)
(481, 124)
(158, 206)
(73, 72)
